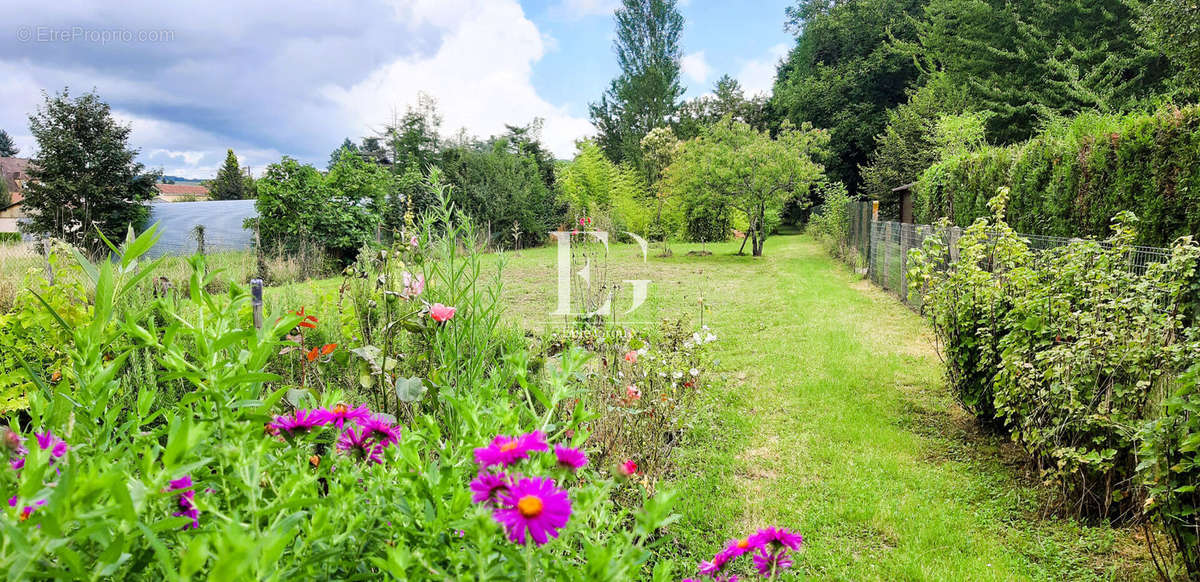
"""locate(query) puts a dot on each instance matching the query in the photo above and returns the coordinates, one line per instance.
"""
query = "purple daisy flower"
(769, 563)
(570, 458)
(358, 444)
(778, 536)
(341, 412)
(534, 505)
(505, 450)
(300, 421)
(487, 487)
(380, 430)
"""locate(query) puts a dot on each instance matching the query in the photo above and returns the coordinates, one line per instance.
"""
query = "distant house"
(15, 173)
(180, 193)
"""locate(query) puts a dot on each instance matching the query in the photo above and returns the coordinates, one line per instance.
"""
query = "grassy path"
(834, 421)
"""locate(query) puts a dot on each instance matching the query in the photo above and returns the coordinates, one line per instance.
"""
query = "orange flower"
(314, 460)
(313, 353)
(309, 321)
(328, 349)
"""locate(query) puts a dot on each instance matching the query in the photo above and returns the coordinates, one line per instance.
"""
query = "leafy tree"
(347, 145)
(1174, 27)
(614, 196)
(659, 149)
(849, 66)
(341, 211)
(5, 196)
(8, 148)
(413, 138)
(1033, 61)
(646, 93)
(907, 146)
(499, 186)
(84, 180)
(752, 172)
(229, 184)
(249, 184)
(727, 99)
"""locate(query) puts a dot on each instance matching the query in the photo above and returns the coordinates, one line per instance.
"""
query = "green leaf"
(410, 389)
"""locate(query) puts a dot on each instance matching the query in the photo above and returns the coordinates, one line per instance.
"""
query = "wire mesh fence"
(883, 246)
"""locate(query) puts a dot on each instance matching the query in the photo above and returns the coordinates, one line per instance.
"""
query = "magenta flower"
(27, 510)
(441, 313)
(780, 537)
(186, 501)
(299, 422)
(506, 450)
(628, 468)
(770, 563)
(487, 487)
(360, 445)
(380, 430)
(48, 442)
(340, 413)
(534, 505)
(569, 458)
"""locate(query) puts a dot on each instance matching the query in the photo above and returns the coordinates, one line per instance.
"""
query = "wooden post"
(904, 262)
(874, 210)
(256, 300)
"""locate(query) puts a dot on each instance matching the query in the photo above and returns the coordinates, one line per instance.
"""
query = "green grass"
(834, 420)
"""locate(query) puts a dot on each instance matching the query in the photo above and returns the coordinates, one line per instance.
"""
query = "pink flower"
(380, 430)
(48, 442)
(631, 356)
(769, 563)
(341, 412)
(441, 313)
(359, 445)
(186, 501)
(413, 286)
(632, 393)
(487, 487)
(506, 450)
(414, 242)
(569, 458)
(778, 536)
(299, 422)
(534, 506)
(26, 511)
(628, 468)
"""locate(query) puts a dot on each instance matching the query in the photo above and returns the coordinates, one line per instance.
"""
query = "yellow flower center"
(743, 544)
(506, 447)
(340, 408)
(530, 506)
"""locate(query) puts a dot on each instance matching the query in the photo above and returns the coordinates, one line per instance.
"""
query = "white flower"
(687, 345)
(643, 351)
(696, 337)
(677, 375)
(662, 374)
(694, 372)
(710, 338)
(620, 374)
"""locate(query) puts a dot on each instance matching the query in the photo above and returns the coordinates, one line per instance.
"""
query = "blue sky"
(277, 77)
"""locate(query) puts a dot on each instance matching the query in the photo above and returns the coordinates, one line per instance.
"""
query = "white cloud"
(695, 66)
(757, 76)
(286, 78)
(577, 9)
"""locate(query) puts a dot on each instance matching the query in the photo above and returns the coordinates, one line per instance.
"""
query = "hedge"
(1075, 176)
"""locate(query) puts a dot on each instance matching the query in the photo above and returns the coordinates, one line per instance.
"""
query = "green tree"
(347, 145)
(907, 146)
(755, 174)
(849, 66)
(614, 196)
(1031, 62)
(229, 184)
(84, 180)
(659, 148)
(8, 148)
(341, 211)
(727, 99)
(646, 93)
(1174, 27)
(413, 138)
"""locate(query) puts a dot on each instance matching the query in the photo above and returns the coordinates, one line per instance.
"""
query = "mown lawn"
(834, 420)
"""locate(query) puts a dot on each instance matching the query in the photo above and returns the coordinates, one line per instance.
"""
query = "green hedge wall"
(1074, 177)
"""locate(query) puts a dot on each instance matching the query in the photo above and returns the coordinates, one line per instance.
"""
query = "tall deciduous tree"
(646, 93)
(84, 178)
(1174, 26)
(752, 172)
(229, 184)
(846, 70)
(727, 98)
(8, 149)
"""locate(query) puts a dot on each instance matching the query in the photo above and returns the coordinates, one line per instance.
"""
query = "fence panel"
(883, 247)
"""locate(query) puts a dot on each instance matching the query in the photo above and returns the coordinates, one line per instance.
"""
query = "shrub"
(1170, 466)
(1077, 174)
(831, 222)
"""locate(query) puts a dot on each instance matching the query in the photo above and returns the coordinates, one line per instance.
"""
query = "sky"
(273, 78)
